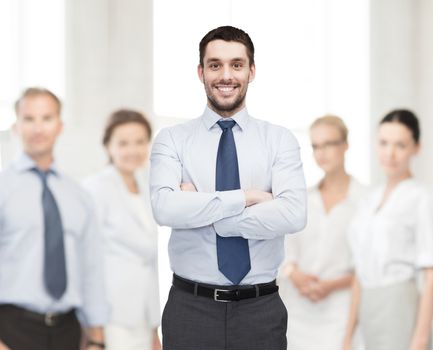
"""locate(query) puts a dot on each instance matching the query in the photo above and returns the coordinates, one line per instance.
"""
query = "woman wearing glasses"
(316, 279)
(391, 238)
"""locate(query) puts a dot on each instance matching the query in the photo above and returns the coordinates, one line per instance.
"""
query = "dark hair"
(405, 117)
(227, 33)
(124, 116)
(37, 91)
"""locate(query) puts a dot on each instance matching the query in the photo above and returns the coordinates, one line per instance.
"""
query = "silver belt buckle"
(215, 295)
(49, 319)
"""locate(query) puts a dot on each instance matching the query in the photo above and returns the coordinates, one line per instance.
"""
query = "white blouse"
(138, 206)
(322, 249)
(389, 244)
(131, 260)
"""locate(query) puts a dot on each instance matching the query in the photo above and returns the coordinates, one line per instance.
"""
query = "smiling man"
(230, 186)
(50, 248)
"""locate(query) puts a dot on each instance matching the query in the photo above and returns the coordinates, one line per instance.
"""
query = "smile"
(226, 90)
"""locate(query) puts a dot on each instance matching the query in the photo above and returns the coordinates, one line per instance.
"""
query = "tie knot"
(42, 174)
(226, 124)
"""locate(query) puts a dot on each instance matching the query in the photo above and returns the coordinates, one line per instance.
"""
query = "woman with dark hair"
(391, 238)
(121, 195)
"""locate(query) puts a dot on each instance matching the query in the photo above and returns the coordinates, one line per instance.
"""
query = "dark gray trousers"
(19, 332)
(198, 323)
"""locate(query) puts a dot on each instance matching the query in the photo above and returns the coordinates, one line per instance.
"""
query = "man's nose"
(38, 127)
(227, 73)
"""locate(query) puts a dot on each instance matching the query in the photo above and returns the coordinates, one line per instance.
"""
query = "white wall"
(424, 86)
(401, 70)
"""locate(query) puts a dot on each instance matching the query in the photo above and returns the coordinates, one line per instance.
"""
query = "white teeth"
(225, 89)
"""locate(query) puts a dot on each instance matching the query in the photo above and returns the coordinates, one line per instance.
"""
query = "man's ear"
(200, 72)
(252, 73)
(14, 128)
(61, 126)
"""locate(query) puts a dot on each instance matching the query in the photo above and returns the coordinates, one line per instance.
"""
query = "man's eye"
(214, 66)
(237, 65)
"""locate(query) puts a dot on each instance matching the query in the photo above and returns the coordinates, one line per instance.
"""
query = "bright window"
(32, 41)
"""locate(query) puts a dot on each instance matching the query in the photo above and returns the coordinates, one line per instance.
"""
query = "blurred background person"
(315, 282)
(121, 194)
(391, 238)
(50, 246)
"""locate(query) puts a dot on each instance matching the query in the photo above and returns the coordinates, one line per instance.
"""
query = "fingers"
(189, 187)
(253, 196)
(265, 196)
(312, 288)
(3, 346)
(268, 196)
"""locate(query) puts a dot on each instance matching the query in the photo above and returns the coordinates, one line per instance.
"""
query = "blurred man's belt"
(49, 319)
(225, 293)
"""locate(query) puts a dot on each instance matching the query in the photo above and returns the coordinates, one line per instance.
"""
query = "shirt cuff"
(233, 202)
(227, 227)
(94, 316)
(425, 261)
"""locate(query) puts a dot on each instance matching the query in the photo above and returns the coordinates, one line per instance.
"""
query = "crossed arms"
(251, 213)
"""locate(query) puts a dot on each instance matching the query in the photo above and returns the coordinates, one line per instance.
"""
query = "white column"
(108, 66)
(424, 89)
(393, 79)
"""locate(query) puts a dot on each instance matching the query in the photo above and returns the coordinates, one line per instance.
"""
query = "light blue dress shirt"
(22, 244)
(269, 160)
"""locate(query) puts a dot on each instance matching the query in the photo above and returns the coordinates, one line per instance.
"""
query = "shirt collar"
(23, 163)
(351, 191)
(210, 118)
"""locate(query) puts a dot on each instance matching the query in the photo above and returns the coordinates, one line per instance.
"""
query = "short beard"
(228, 109)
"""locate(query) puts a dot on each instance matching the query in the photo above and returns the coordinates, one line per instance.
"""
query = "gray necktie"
(54, 253)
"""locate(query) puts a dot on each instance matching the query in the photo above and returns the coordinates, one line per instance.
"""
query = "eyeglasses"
(327, 145)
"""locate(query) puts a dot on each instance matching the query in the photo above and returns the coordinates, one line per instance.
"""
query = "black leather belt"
(48, 319)
(225, 293)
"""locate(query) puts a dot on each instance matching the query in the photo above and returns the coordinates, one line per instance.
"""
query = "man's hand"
(3, 346)
(253, 196)
(187, 187)
(156, 343)
(95, 334)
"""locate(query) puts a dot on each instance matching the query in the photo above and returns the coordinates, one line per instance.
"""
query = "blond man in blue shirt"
(51, 280)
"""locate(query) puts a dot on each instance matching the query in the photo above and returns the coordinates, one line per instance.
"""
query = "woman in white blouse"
(392, 243)
(315, 282)
(121, 195)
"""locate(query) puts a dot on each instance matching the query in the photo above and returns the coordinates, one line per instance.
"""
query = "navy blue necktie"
(54, 253)
(233, 252)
